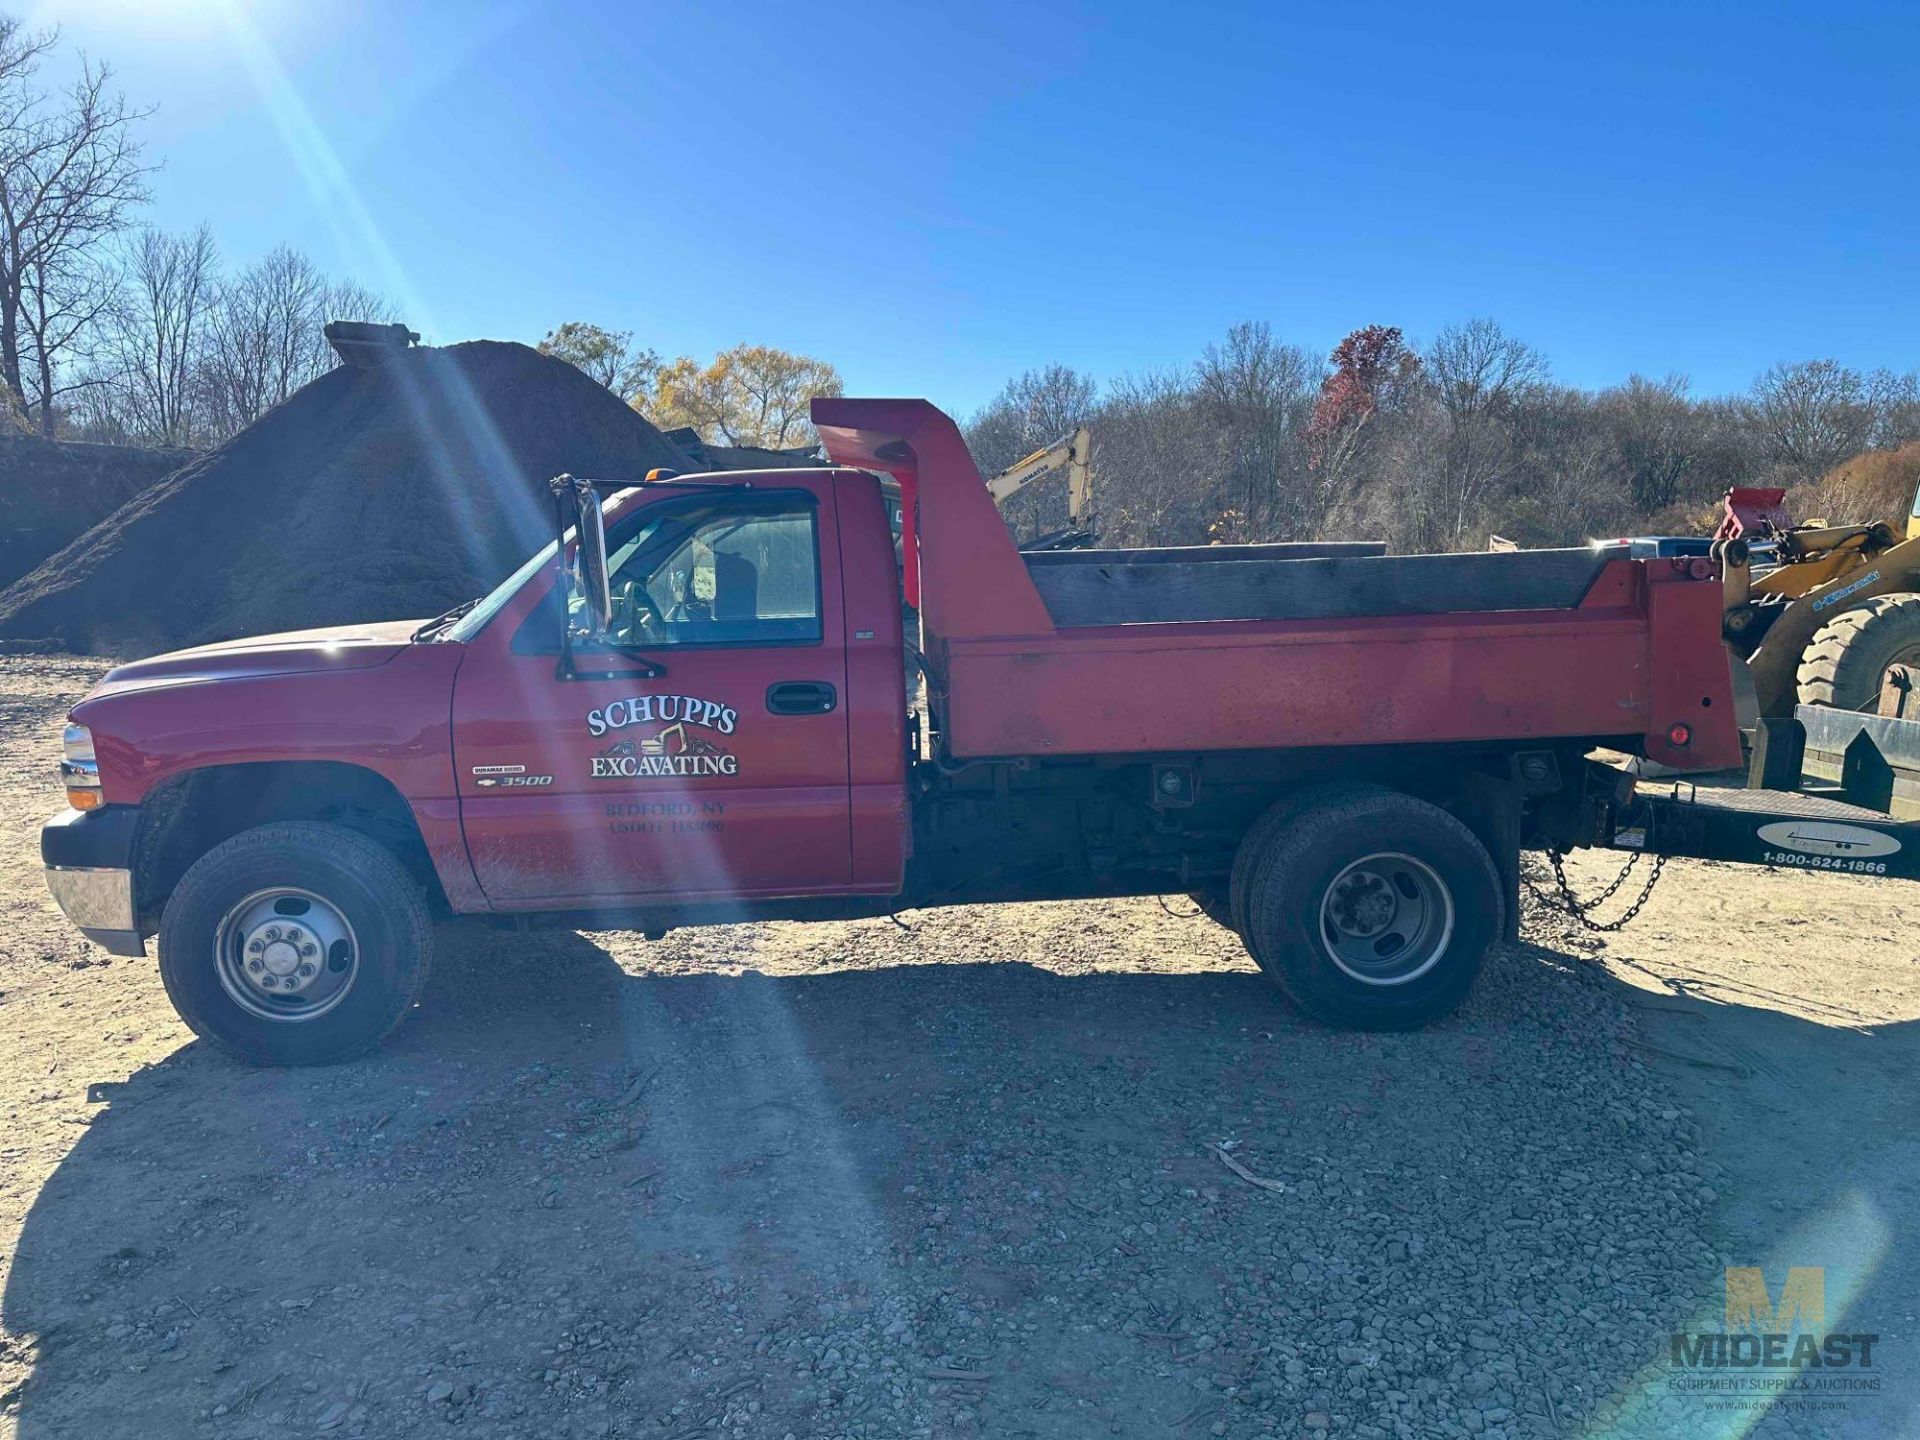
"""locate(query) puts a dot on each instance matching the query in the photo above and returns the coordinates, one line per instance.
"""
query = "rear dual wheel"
(1372, 909)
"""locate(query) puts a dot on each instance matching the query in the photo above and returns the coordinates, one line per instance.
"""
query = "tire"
(1260, 836)
(1843, 664)
(274, 906)
(1374, 910)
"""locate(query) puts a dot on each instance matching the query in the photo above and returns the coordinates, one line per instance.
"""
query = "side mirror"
(577, 508)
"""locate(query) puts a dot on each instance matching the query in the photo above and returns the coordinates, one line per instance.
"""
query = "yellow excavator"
(1072, 453)
(1821, 613)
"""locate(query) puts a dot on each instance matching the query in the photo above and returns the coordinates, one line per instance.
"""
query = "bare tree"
(1570, 481)
(1477, 377)
(1257, 394)
(1034, 409)
(1157, 458)
(1250, 374)
(265, 336)
(1477, 368)
(192, 358)
(160, 334)
(1896, 403)
(1655, 436)
(607, 356)
(1811, 416)
(70, 172)
(68, 300)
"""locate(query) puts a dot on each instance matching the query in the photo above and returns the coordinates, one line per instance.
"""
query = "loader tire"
(1374, 910)
(1843, 665)
(295, 943)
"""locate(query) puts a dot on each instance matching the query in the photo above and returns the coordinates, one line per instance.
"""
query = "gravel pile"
(51, 490)
(377, 493)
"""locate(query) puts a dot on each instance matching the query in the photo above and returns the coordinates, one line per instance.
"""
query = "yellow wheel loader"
(1819, 612)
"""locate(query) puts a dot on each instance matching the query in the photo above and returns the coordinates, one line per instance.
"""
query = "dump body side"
(1634, 658)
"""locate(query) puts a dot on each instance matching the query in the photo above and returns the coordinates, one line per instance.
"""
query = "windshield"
(475, 620)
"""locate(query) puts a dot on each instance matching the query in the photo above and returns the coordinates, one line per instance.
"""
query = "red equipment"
(1340, 753)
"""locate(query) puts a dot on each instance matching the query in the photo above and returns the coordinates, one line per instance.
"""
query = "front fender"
(393, 720)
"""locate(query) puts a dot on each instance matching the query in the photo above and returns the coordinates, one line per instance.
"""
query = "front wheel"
(1846, 662)
(1374, 910)
(295, 944)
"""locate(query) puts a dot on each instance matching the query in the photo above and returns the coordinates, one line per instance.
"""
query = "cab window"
(732, 569)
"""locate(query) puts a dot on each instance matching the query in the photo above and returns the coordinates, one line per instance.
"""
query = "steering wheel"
(634, 618)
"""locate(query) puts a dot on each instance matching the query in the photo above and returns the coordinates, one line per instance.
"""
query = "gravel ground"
(1047, 1170)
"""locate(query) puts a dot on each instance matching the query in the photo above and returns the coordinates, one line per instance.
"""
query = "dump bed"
(1304, 582)
(1248, 648)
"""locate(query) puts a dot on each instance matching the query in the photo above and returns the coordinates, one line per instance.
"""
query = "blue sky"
(935, 197)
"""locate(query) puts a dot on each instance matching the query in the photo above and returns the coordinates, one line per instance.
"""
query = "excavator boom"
(1074, 453)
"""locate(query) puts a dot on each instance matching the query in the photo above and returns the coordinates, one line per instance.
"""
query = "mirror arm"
(563, 668)
(562, 487)
(576, 506)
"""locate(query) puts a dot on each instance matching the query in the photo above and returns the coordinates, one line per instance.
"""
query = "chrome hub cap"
(286, 954)
(1386, 919)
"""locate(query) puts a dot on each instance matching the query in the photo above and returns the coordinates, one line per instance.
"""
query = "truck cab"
(734, 730)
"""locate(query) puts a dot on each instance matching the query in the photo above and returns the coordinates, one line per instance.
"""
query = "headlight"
(79, 770)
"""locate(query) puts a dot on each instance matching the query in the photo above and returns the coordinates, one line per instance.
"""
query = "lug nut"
(267, 982)
(256, 947)
(308, 949)
(273, 932)
(254, 966)
(306, 972)
(293, 932)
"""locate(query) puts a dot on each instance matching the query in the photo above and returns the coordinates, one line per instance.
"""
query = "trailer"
(1833, 790)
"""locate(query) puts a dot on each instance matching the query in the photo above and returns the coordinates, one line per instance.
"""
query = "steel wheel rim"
(286, 954)
(1386, 919)
(1909, 657)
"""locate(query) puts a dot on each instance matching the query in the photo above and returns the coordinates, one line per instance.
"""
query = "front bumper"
(88, 856)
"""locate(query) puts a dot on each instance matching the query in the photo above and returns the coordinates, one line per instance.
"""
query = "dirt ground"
(961, 1178)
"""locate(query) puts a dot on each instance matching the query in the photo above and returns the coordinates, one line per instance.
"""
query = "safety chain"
(1580, 909)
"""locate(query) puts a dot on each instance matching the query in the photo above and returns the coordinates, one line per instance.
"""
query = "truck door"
(707, 756)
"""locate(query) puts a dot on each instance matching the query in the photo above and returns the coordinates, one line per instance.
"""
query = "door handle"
(801, 697)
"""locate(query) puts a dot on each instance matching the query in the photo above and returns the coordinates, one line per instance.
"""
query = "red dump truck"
(700, 705)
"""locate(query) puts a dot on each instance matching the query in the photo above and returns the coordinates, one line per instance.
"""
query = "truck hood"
(335, 647)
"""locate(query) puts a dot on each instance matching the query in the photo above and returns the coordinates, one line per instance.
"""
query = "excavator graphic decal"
(674, 753)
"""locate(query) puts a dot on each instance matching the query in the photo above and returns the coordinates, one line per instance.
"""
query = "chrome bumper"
(100, 902)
